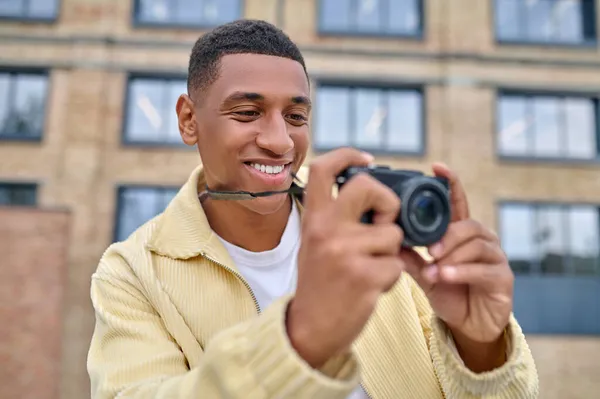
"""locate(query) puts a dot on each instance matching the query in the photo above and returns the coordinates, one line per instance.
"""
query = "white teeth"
(268, 169)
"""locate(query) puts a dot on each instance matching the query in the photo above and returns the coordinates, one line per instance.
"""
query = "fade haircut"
(245, 36)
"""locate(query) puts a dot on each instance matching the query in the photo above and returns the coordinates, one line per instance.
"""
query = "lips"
(269, 169)
(270, 175)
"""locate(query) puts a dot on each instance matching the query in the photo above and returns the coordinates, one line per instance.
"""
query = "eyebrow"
(250, 96)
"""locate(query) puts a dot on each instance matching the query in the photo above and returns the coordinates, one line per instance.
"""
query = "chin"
(266, 205)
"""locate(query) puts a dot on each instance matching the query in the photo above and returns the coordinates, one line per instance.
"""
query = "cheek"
(226, 137)
(301, 141)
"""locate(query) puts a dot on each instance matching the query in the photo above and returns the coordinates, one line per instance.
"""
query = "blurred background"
(504, 91)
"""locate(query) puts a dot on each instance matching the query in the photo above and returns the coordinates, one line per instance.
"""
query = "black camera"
(425, 202)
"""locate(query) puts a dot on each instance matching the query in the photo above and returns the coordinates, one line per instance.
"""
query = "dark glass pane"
(15, 194)
(189, 12)
(369, 115)
(12, 8)
(154, 11)
(545, 21)
(332, 117)
(139, 205)
(584, 239)
(547, 128)
(568, 19)
(514, 126)
(368, 18)
(405, 121)
(146, 114)
(42, 8)
(24, 113)
(176, 89)
(550, 238)
(517, 235)
(5, 102)
(151, 115)
(580, 128)
(404, 16)
(507, 19)
(336, 15)
(539, 19)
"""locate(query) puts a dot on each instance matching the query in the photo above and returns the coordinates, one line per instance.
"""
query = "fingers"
(383, 272)
(476, 274)
(363, 193)
(476, 250)
(458, 196)
(377, 239)
(325, 168)
(458, 233)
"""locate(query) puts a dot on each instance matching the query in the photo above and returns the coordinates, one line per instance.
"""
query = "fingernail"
(449, 272)
(436, 250)
(431, 272)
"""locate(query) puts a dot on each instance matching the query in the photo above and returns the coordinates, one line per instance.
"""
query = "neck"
(239, 226)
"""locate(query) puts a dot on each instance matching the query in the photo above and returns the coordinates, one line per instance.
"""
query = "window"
(22, 105)
(18, 194)
(566, 22)
(29, 9)
(554, 251)
(548, 126)
(151, 116)
(371, 17)
(371, 118)
(137, 205)
(193, 13)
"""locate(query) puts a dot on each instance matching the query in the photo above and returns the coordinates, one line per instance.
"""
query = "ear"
(186, 117)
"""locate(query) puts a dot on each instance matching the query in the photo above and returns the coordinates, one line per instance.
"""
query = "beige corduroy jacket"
(174, 319)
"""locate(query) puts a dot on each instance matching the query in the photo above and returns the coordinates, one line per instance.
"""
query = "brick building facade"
(504, 91)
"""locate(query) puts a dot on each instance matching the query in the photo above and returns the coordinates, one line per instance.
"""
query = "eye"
(249, 114)
(298, 117)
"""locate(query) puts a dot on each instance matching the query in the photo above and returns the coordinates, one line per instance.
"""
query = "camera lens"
(426, 210)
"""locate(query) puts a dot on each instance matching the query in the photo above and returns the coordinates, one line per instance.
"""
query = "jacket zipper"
(243, 280)
(239, 276)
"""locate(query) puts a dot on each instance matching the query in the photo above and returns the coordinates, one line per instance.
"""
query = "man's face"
(251, 126)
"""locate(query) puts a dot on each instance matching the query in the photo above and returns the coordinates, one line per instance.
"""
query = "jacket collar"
(183, 231)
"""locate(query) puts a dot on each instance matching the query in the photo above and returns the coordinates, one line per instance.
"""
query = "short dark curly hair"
(244, 36)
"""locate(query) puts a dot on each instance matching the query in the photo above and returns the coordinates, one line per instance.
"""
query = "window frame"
(585, 44)
(532, 93)
(125, 140)
(534, 205)
(527, 301)
(379, 85)
(45, 72)
(26, 19)
(122, 188)
(137, 23)
(418, 35)
(22, 184)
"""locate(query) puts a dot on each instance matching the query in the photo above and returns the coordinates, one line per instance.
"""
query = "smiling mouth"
(267, 169)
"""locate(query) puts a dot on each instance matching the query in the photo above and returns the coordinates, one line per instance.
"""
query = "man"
(274, 298)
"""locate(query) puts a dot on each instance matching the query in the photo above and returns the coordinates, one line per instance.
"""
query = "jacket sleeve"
(516, 379)
(132, 355)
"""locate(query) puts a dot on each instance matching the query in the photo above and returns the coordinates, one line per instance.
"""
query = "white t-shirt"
(273, 274)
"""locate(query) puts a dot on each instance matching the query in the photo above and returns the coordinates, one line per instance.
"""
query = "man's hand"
(469, 283)
(343, 265)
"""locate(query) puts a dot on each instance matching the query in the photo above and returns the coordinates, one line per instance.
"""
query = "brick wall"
(33, 260)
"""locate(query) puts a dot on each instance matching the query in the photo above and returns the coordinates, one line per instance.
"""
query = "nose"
(274, 136)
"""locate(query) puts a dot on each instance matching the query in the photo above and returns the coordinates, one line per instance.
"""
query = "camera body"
(425, 209)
